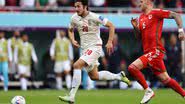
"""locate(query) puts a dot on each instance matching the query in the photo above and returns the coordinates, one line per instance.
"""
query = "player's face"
(62, 34)
(143, 4)
(16, 33)
(1, 34)
(173, 40)
(25, 38)
(80, 9)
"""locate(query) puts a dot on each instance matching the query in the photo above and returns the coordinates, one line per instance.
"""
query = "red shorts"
(154, 60)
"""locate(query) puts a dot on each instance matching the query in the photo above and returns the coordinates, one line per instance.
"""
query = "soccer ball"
(18, 100)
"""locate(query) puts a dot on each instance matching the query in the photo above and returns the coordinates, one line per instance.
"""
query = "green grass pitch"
(93, 97)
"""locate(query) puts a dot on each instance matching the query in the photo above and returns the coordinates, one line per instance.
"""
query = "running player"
(88, 26)
(149, 28)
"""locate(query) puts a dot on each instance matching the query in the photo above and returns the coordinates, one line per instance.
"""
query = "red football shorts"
(154, 61)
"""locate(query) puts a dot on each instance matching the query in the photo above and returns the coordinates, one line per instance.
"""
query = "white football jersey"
(88, 28)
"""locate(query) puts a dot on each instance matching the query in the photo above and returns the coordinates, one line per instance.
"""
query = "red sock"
(175, 86)
(134, 71)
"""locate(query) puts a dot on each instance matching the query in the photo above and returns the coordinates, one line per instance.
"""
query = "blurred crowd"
(50, 4)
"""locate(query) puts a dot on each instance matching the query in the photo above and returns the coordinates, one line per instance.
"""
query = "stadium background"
(41, 23)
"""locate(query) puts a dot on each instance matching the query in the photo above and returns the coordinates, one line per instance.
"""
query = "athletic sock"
(106, 75)
(76, 82)
(138, 76)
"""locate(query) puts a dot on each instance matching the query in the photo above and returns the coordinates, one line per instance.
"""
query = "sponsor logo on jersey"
(150, 17)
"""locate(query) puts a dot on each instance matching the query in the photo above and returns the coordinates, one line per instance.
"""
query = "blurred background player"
(114, 61)
(173, 52)
(151, 22)
(24, 53)
(88, 26)
(5, 57)
(61, 52)
(13, 42)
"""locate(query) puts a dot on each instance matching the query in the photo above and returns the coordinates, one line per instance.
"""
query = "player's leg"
(23, 79)
(106, 75)
(166, 80)
(58, 71)
(68, 79)
(134, 70)
(59, 81)
(5, 75)
(76, 81)
(67, 70)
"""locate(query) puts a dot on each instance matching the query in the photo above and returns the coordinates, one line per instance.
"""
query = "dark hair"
(84, 2)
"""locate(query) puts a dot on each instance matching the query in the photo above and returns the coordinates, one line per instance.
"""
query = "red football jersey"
(151, 26)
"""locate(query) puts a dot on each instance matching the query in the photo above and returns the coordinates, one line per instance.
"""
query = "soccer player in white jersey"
(88, 26)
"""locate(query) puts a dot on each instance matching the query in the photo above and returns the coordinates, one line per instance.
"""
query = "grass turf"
(93, 97)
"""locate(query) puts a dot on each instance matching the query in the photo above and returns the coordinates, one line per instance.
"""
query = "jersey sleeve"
(72, 23)
(100, 19)
(159, 13)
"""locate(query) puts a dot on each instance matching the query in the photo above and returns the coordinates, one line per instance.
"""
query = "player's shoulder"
(157, 10)
(30, 44)
(92, 13)
(95, 15)
(75, 17)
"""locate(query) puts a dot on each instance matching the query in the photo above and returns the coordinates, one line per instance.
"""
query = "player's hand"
(181, 36)
(134, 22)
(109, 47)
(75, 43)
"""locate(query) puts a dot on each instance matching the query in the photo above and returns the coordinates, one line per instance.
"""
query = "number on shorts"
(85, 28)
(88, 52)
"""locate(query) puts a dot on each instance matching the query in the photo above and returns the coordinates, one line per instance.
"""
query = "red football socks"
(176, 87)
(135, 72)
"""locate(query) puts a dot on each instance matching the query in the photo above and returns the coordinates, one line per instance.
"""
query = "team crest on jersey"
(150, 17)
(101, 18)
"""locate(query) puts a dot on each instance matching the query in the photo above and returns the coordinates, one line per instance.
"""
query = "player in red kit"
(149, 28)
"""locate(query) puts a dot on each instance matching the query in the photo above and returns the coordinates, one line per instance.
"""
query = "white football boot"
(67, 99)
(149, 94)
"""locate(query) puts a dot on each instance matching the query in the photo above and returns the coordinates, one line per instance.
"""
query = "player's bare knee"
(132, 67)
(94, 77)
(76, 66)
(164, 78)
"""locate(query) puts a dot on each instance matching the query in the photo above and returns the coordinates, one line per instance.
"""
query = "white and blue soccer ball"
(18, 100)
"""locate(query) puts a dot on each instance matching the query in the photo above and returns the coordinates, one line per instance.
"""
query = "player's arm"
(71, 57)
(10, 56)
(16, 55)
(178, 19)
(72, 38)
(109, 44)
(52, 50)
(135, 24)
(33, 55)
(161, 14)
